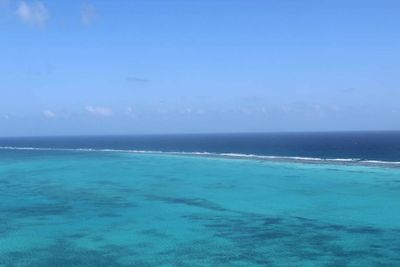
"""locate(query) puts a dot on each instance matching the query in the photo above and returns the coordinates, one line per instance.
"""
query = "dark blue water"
(379, 146)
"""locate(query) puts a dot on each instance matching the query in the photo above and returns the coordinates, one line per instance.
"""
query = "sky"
(198, 66)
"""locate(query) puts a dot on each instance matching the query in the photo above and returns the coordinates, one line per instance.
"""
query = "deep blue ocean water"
(251, 200)
(370, 146)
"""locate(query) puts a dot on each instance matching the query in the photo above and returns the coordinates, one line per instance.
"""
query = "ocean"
(278, 199)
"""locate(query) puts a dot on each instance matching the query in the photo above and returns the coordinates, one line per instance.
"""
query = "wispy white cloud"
(34, 13)
(88, 14)
(49, 114)
(192, 111)
(100, 111)
(132, 112)
(336, 108)
(5, 116)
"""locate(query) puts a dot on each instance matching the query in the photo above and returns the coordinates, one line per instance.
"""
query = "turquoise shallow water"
(71, 208)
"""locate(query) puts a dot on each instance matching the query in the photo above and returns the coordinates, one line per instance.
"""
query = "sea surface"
(301, 199)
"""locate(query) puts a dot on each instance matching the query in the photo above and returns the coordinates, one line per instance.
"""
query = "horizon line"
(202, 133)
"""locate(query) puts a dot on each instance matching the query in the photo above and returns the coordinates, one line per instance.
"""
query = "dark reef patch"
(63, 253)
(300, 239)
(154, 233)
(194, 202)
(38, 210)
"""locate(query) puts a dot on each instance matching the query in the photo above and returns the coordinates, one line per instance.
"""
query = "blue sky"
(126, 67)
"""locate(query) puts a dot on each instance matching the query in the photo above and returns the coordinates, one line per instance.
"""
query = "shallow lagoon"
(71, 208)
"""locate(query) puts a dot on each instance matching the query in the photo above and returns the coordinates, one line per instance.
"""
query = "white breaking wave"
(221, 155)
(381, 162)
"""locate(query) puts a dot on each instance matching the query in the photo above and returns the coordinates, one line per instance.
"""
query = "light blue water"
(70, 208)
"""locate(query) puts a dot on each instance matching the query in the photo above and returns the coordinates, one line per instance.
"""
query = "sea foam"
(352, 161)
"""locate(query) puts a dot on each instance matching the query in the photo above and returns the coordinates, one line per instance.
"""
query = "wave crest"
(352, 161)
